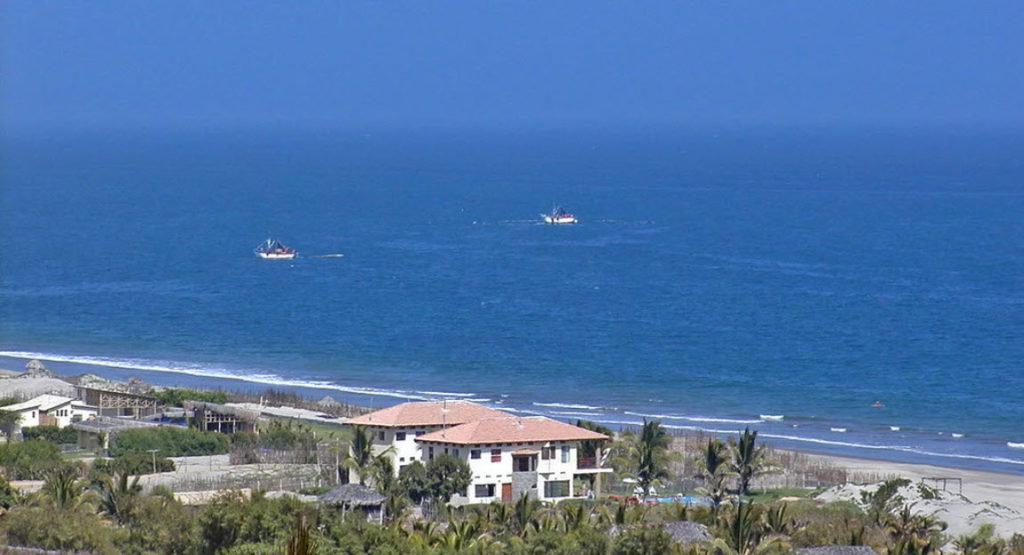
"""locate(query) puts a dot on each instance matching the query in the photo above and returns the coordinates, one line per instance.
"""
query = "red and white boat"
(559, 216)
(272, 249)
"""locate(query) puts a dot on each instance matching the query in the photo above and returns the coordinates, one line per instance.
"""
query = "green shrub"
(9, 496)
(67, 530)
(51, 433)
(133, 464)
(158, 524)
(169, 442)
(315, 490)
(29, 460)
(177, 396)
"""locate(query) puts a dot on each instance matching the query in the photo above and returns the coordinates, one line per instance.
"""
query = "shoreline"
(978, 485)
(982, 491)
(775, 433)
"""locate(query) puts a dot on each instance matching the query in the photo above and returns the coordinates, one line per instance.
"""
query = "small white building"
(510, 456)
(400, 425)
(50, 410)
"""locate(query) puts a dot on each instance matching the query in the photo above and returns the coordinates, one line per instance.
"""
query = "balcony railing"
(587, 462)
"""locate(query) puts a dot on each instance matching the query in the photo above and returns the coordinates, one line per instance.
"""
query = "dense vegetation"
(176, 397)
(29, 460)
(134, 464)
(112, 515)
(103, 509)
(169, 442)
(60, 436)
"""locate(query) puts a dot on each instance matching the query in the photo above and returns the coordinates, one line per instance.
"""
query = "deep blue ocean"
(716, 277)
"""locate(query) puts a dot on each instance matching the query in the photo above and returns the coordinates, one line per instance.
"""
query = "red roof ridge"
(428, 413)
(511, 429)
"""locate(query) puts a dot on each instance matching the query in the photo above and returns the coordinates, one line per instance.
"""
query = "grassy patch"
(772, 495)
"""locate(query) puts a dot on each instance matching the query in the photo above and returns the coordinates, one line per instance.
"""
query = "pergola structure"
(214, 417)
(117, 401)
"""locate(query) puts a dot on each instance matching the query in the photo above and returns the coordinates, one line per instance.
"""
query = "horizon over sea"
(782, 279)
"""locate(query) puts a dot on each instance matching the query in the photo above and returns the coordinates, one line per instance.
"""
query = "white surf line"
(222, 374)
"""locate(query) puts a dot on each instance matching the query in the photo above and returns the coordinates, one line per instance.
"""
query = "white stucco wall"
(499, 471)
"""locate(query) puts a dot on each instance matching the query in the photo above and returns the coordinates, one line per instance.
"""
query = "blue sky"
(545, 63)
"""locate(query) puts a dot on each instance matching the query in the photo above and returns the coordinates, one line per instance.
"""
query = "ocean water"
(717, 276)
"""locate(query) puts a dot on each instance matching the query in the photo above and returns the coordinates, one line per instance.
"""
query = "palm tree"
(361, 457)
(574, 517)
(360, 453)
(299, 541)
(775, 520)
(8, 422)
(63, 487)
(524, 514)
(914, 533)
(650, 453)
(748, 459)
(116, 495)
(713, 465)
(740, 535)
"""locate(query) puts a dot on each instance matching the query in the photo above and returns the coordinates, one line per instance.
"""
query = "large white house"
(400, 425)
(50, 410)
(510, 456)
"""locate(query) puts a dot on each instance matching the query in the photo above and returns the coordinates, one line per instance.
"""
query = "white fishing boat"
(559, 216)
(272, 249)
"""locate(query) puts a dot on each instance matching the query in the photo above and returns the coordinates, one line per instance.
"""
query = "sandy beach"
(1005, 489)
(986, 497)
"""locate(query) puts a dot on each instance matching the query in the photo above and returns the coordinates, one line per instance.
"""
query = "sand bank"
(971, 497)
(1005, 489)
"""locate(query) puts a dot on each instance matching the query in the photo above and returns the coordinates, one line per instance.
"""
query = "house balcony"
(587, 463)
(590, 465)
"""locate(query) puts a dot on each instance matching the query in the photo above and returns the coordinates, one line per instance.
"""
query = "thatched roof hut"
(355, 496)
(352, 495)
(687, 532)
(837, 550)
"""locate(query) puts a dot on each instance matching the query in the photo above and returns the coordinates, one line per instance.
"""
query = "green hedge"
(29, 460)
(169, 442)
(135, 463)
(177, 396)
(57, 435)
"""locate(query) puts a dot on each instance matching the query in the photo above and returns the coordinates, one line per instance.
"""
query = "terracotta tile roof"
(510, 429)
(427, 413)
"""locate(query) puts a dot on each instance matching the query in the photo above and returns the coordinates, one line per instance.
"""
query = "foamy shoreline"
(775, 429)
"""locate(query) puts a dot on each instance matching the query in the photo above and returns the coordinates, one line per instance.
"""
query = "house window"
(400, 436)
(455, 452)
(380, 435)
(556, 488)
(565, 453)
(430, 453)
(474, 453)
(495, 455)
(547, 453)
(484, 490)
